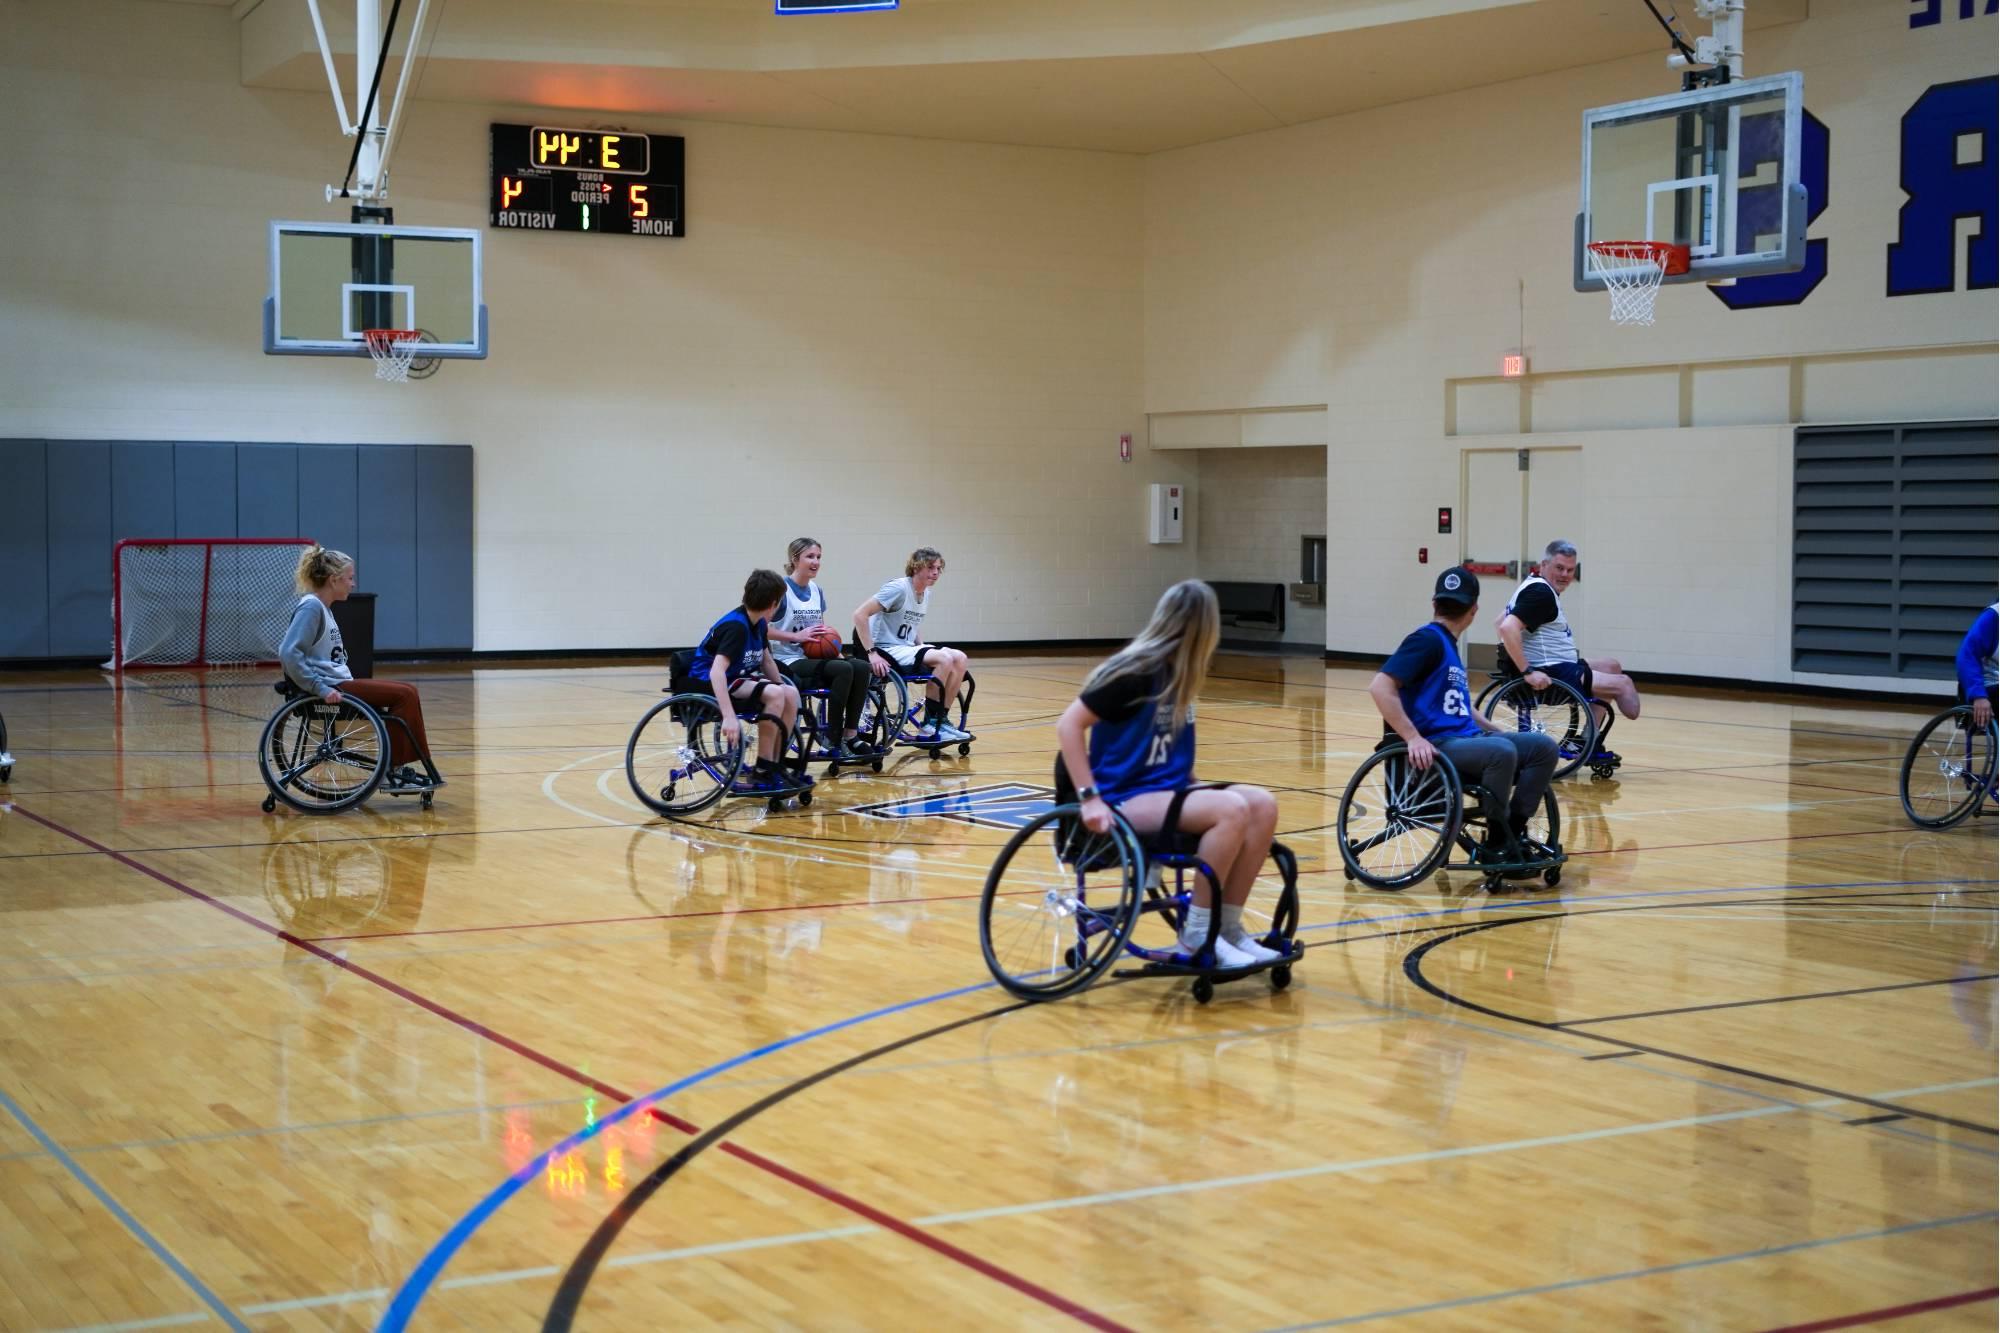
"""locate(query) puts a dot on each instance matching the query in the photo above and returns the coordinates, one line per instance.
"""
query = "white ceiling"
(1134, 76)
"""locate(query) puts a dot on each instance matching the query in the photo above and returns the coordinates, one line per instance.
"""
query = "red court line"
(937, 1245)
(654, 916)
(1890, 1312)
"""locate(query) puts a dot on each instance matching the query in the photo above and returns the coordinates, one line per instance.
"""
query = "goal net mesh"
(191, 602)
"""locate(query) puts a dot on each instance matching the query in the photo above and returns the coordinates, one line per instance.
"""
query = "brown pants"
(395, 698)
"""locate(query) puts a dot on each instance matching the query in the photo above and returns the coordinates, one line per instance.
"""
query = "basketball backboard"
(1715, 169)
(333, 281)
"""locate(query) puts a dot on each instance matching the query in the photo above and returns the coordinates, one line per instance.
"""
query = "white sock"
(1194, 931)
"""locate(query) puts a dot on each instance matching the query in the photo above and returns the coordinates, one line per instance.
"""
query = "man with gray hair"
(1535, 640)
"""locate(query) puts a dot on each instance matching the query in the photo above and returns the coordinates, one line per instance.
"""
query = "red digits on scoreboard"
(640, 207)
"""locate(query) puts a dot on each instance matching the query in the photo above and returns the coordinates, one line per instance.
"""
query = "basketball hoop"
(1632, 272)
(393, 350)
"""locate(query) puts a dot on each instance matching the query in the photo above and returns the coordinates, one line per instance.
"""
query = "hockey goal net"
(201, 601)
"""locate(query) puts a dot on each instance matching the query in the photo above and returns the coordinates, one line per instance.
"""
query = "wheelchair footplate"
(1497, 876)
(1181, 963)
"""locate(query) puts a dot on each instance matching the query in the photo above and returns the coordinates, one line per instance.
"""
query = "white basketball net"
(393, 350)
(1632, 272)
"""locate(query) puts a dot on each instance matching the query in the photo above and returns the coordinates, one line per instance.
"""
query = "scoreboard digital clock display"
(547, 178)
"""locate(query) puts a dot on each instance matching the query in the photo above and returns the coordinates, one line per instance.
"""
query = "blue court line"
(131, 1223)
(427, 1272)
(1574, 1283)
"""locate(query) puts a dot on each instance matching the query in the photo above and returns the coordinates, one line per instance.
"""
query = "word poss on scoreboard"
(546, 178)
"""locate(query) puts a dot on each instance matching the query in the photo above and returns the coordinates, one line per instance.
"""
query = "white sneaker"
(1243, 942)
(947, 732)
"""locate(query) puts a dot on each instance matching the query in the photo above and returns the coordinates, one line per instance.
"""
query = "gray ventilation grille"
(1893, 545)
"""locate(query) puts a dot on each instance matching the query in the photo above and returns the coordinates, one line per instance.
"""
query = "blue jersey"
(1432, 684)
(1978, 665)
(736, 637)
(1139, 751)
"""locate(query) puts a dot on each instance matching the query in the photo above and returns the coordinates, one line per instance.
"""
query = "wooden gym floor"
(286, 1072)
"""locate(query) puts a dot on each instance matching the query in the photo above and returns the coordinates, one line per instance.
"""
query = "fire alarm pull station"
(1163, 513)
(1444, 520)
(1423, 555)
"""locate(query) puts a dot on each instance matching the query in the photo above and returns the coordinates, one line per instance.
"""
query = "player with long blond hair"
(1128, 742)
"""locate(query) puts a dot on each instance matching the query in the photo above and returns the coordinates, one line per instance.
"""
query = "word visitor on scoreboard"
(553, 179)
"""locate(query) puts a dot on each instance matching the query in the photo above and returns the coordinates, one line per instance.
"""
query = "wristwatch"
(1086, 794)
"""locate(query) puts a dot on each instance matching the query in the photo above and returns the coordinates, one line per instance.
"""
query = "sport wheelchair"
(679, 763)
(1558, 709)
(321, 758)
(1397, 826)
(1948, 774)
(6, 757)
(903, 718)
(817, 737)
(1044, 937)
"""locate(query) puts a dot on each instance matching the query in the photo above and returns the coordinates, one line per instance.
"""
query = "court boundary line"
(1414, 970)
(1484, 1298)
(132, 1225)
(1891, 1312)
(1781, 999)
(631, 1105)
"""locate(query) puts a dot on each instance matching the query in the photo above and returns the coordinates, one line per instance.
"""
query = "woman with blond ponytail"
(315, 660)
(1128, 741)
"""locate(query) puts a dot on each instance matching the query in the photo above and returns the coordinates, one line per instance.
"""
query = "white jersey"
(1550, 644)
(901, 620)
(798, 615)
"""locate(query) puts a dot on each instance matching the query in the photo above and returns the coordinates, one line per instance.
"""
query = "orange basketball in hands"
(823, 644)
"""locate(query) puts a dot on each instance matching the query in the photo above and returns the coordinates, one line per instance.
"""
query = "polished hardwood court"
(535, 1058)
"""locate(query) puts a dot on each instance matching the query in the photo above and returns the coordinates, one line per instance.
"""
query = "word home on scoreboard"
(548, 178)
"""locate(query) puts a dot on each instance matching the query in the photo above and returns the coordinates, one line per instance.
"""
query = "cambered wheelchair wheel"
(1558, 710)
(321, 758)
(678, 761)
(1059, 904)
(1948, 770)
(1396, 825)
(6, 756)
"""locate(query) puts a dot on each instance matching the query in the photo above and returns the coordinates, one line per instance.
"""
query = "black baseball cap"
(1457, 584)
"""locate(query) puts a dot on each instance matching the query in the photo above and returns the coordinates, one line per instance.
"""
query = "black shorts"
(1575, 674)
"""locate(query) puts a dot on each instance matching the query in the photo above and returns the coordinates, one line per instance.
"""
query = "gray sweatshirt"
(313, 656)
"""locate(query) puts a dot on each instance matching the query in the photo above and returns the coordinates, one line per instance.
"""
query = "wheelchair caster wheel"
(1553, 877)
(775, 805)
(270, 804)
(1281, 976)
(1069, 956)
(426, 799)
(805, 798)
(876, 766)
(1204, 990)
(965, 747)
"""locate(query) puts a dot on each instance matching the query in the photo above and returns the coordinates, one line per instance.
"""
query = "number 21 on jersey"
(1159, 749)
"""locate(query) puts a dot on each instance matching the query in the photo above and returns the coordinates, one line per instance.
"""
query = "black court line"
(1779, 999)
(1876, 1119)
(1614, 1055)
(1413, 969)
(576, 1278)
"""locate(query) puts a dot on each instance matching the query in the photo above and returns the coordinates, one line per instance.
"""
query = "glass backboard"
(332, 281)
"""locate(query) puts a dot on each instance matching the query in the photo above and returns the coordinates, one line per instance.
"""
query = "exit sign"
(1513, 365)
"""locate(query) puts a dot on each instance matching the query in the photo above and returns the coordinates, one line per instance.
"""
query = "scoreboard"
(547, 178)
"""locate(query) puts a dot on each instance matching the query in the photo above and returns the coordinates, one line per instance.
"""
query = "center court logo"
(1009, 805)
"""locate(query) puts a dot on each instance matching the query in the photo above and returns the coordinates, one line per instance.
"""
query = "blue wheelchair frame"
(908, 717)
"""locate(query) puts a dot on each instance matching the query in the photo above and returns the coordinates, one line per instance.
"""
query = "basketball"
(823, 644)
